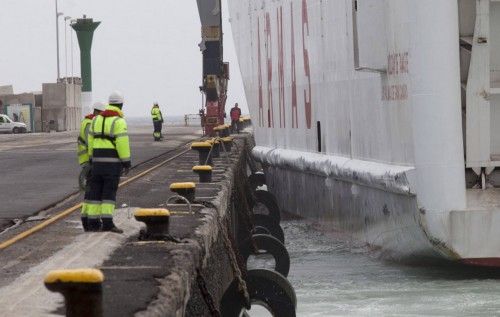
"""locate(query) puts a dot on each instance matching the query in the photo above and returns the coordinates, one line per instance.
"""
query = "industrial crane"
(215, 70)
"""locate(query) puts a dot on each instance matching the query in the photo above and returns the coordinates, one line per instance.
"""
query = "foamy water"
(331, 278)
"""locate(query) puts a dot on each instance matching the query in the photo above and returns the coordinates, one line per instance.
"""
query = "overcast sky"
(147, 49)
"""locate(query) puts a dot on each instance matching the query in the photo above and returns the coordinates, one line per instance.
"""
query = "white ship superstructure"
(378, 117)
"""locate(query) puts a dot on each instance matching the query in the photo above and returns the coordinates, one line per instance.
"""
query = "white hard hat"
(116, 97)
(99, 106)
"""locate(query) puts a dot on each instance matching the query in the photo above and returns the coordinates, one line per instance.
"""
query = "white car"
(9, 126)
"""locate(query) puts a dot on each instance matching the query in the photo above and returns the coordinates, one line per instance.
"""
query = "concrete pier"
(142, 278)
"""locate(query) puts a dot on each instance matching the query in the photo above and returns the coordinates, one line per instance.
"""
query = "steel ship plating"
(380, 119)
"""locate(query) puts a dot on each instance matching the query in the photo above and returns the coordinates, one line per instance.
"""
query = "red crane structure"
(215, 70)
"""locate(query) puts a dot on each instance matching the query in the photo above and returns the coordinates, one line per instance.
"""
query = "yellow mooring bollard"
(226, 131)
(81, 288)
(186, 190)
(228, 143)
(218, 129)
(204, 172)
(215, 148)
(203, 149)
(157, 223)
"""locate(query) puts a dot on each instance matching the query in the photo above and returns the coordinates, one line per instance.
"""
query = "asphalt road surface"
(38, 170)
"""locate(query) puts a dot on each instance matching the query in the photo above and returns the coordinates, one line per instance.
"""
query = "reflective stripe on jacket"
(82, 148)
(156, 114)
(108, 137)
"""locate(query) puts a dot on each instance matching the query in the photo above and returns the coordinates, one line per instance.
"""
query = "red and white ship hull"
(356, 106)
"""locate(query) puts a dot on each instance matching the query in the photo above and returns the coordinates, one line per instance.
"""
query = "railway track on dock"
(74, 199)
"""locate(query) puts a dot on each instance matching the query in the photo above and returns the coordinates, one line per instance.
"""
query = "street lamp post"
(66, 18)
(71, 22)
(72, 59)
(58, 14)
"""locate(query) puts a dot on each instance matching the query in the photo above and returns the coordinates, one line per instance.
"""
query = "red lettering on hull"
(281, 69)
(269, 57)
(397, 64)
(307, 94)
(295, 121)
(261, 105)
(397, 67)
(395, 92)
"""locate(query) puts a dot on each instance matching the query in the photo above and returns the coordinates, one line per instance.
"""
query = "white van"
(9, 126)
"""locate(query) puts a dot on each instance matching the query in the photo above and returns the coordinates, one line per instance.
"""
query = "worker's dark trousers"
(101, 197)
(235, 126)
(84, 215)
(157, 129)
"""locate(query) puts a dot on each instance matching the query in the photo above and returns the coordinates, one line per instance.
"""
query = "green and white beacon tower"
(85, 28)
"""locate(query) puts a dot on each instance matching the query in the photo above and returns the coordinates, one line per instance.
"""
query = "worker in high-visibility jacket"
(157, 121)
(109, 152)
(83, 155)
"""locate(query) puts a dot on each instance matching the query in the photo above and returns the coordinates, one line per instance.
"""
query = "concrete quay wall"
(162, 277)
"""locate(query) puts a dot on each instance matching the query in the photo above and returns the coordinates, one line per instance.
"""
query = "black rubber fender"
(257, 179)
(267, 244)
(272, 226)
(260, 230)
(268, 195)
(267, 199)
(264, 286)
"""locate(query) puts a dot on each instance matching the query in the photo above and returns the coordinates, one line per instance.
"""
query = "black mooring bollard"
(203, 149)
(81, 288)
(186, 190)
(204, 172)
(157, 223)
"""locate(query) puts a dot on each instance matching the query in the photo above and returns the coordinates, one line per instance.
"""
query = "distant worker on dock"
(109, 152)
(202, 115)
(235, 118)
(83, 155)
(157, 121)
